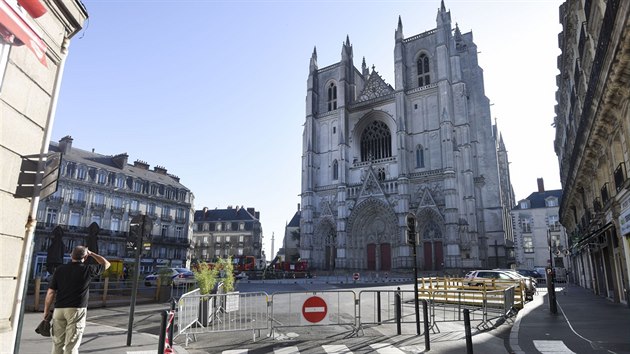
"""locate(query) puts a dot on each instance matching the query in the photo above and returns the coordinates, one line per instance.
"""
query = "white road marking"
(336, 349)
(386, 348)
(287, 350)
(236, 351)
(552, 346)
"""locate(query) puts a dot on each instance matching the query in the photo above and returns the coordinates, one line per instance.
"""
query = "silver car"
(478, 277)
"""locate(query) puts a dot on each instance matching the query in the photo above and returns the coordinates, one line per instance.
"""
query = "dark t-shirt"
(72, 283)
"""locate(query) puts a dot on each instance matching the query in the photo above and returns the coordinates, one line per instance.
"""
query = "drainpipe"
(31, 222)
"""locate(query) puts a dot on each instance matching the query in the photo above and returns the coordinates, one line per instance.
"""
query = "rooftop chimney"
(65, 144)
(141, 164)
(120, 160)
(159, 169)
(541, 185)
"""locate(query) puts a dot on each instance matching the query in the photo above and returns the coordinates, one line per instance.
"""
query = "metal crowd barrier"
(222, 313)
(379, 307)
(258, 311)
(288, 309)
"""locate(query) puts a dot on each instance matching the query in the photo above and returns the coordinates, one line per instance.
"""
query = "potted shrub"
(206, 276)
(232, 298)
(164, 282)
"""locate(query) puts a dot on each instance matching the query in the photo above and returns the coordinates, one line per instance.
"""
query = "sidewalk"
(585, 323)
(97, 338)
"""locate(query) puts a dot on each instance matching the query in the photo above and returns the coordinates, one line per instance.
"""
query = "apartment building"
(593, 141)
(108, 191)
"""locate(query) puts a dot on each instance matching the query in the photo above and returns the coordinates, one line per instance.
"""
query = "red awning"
(16, 31)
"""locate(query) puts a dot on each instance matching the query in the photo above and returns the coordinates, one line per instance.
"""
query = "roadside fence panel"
(222, 313)
(379, 307)
(313, 308)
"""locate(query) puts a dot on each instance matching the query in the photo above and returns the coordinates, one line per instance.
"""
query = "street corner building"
(34, 40)
(593, 140)
(374, 154)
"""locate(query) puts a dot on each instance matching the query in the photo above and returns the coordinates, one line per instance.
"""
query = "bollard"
(105, 289)
(171, 326)
(425, 315)
(398, 304)
(469, 346)
(378, 307)
(162, 332)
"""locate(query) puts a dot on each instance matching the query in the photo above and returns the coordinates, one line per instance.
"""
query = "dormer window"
(524, 204)
(551, 202)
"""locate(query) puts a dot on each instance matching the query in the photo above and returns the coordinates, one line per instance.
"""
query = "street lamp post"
(551, 289)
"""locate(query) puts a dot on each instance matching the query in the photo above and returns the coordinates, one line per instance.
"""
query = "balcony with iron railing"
(134, 212)
(620, 176)
(180, 219)
(166, 217)
(604, 193)
(77, 203)
(597, 205)
(54, 200)
(97, 206)
(117, 210)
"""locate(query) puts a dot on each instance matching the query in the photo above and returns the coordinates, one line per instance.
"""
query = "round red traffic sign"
(314, 309)
(355, 276)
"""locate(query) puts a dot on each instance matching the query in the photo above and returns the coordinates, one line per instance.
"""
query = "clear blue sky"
(215, 90)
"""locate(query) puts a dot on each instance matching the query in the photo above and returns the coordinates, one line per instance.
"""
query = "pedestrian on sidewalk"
(69, 289)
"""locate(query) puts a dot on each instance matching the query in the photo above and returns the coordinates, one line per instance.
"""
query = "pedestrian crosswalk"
(380, 348)
(552, 347)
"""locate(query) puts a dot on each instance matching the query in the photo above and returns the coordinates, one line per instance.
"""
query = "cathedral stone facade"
(373, 154)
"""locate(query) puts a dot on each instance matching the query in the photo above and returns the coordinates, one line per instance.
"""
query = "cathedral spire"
(313, 64)
(364, 69)
(346, 50)
(399, 30)
(442, 7)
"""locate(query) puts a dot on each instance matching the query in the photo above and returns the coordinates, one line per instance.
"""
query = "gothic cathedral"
(374, 154)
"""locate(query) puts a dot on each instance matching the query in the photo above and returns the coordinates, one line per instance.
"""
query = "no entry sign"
(314, 309)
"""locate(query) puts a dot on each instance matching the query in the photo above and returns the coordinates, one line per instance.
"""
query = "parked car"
(178, 276)
(530, 273)
(479, 277)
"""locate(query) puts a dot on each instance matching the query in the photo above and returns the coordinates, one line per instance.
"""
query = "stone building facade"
(34, 40)
(593, 141)
(230, 232)
(373, 153)
(108, 191)
(536, 222)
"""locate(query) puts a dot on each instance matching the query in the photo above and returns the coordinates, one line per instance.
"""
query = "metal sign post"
(139, 226)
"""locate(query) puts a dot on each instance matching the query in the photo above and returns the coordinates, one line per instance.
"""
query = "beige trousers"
(67, 329)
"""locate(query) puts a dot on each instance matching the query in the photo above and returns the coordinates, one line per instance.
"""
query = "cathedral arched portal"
(372, 237)
(325, 244)
(431, 236)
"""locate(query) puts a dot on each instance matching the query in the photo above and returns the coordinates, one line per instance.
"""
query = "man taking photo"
(69, 289)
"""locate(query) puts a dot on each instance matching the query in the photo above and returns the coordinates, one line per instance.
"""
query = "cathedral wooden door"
(371, 256)
(439, 255)
(428, 256)
(331, 255)
(386, 257)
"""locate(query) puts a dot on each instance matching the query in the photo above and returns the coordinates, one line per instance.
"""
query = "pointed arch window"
(419, 157)
(332, 96)
(376, 142)
(335, 170)
(424, 78)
